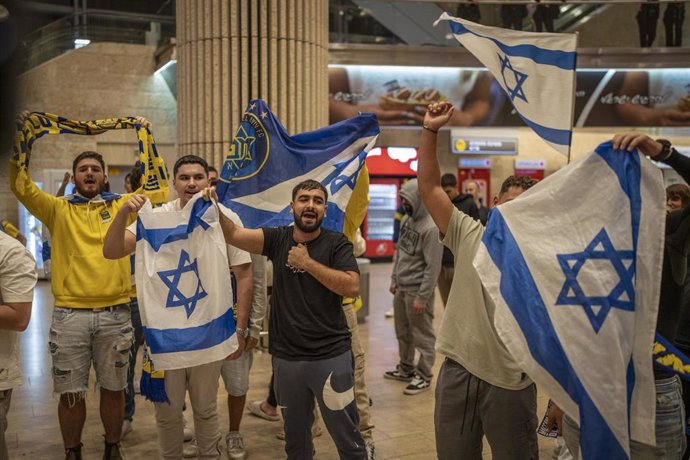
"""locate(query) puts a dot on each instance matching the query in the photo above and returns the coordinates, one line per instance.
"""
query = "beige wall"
(102, 80)
(530, 146)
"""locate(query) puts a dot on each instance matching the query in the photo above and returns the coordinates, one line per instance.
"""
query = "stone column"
(231, 51)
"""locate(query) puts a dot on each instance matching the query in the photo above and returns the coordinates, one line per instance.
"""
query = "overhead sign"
(484, 146)
(474, 163)
(538, 165)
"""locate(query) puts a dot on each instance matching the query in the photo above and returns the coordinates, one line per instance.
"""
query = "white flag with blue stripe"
(574, 268)
(183, 285)
(536, 71)
(265, 163)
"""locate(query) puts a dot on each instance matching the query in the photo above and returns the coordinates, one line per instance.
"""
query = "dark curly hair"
(679, 192)
(524, 182)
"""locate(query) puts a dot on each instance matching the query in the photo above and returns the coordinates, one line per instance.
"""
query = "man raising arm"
(481, 391)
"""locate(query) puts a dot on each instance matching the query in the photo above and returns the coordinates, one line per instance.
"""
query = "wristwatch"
(666, 150)
(242, 331)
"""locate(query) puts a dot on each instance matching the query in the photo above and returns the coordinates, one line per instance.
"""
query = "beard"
(88, 193)
(308, 228)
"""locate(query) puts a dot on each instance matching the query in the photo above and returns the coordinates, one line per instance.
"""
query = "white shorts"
(236, 374)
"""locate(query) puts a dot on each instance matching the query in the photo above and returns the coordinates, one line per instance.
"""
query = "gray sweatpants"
(331, 382)
(467, 408)
(414, 331)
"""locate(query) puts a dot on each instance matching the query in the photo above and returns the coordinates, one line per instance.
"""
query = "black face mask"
(408, 209)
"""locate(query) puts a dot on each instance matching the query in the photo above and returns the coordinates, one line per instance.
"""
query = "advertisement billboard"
(398, 95)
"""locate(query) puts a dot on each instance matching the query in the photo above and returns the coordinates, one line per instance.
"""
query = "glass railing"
(389, 22)
(70, 33)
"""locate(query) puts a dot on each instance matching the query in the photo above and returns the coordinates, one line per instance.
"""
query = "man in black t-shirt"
(313, 269)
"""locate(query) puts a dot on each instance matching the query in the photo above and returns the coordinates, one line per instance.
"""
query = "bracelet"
(668, 155)
(429, 129)
(666, 150)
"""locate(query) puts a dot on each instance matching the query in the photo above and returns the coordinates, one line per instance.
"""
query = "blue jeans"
(670, 426)
(136, 343)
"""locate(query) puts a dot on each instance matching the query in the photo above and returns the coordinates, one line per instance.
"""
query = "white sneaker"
(188, 433)
(126, 428)
(235, 446)
(190, 450)
(390, 313)
(417, 385)
(371, 450)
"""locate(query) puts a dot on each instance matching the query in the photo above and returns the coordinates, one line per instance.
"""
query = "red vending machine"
(389, 168)
(530, 168)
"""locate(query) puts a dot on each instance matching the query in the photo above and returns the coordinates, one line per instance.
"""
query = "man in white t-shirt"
(17, 282)
(190, 177)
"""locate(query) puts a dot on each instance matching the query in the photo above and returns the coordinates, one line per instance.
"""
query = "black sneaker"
(417, 385)
(397, 374)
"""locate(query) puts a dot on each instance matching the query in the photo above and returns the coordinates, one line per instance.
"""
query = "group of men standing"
(93, 233)
(481, 391)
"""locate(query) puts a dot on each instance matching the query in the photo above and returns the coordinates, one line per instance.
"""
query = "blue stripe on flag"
(157, 237)
(192, 338)
(626, 166)
(562, 59)
(522, 296)
(555, 136)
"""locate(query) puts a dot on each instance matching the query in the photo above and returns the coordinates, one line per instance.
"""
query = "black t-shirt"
(307, 321)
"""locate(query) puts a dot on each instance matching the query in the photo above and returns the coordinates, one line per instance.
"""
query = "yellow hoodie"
(81, 276)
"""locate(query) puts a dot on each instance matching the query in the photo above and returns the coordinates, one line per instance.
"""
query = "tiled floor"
(404, 424)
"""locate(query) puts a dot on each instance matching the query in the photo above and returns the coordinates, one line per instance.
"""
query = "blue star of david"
(520, 78)
(622, 295)
(171, 278)
(338, 181)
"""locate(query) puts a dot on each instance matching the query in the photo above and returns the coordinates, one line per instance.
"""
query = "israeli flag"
(265, 163)
(574, 268)
(183, 285)
(536, 70)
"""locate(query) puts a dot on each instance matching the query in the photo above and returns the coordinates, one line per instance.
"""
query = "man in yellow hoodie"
(91, 319)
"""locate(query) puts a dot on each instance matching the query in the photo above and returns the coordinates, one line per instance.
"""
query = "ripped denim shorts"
(80, 336)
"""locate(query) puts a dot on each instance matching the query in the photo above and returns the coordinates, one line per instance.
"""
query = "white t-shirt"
(236, 256)
(17, 282)
(467, 333)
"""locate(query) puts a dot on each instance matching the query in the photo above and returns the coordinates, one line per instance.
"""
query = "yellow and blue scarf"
(38, 124)
(669, 358)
